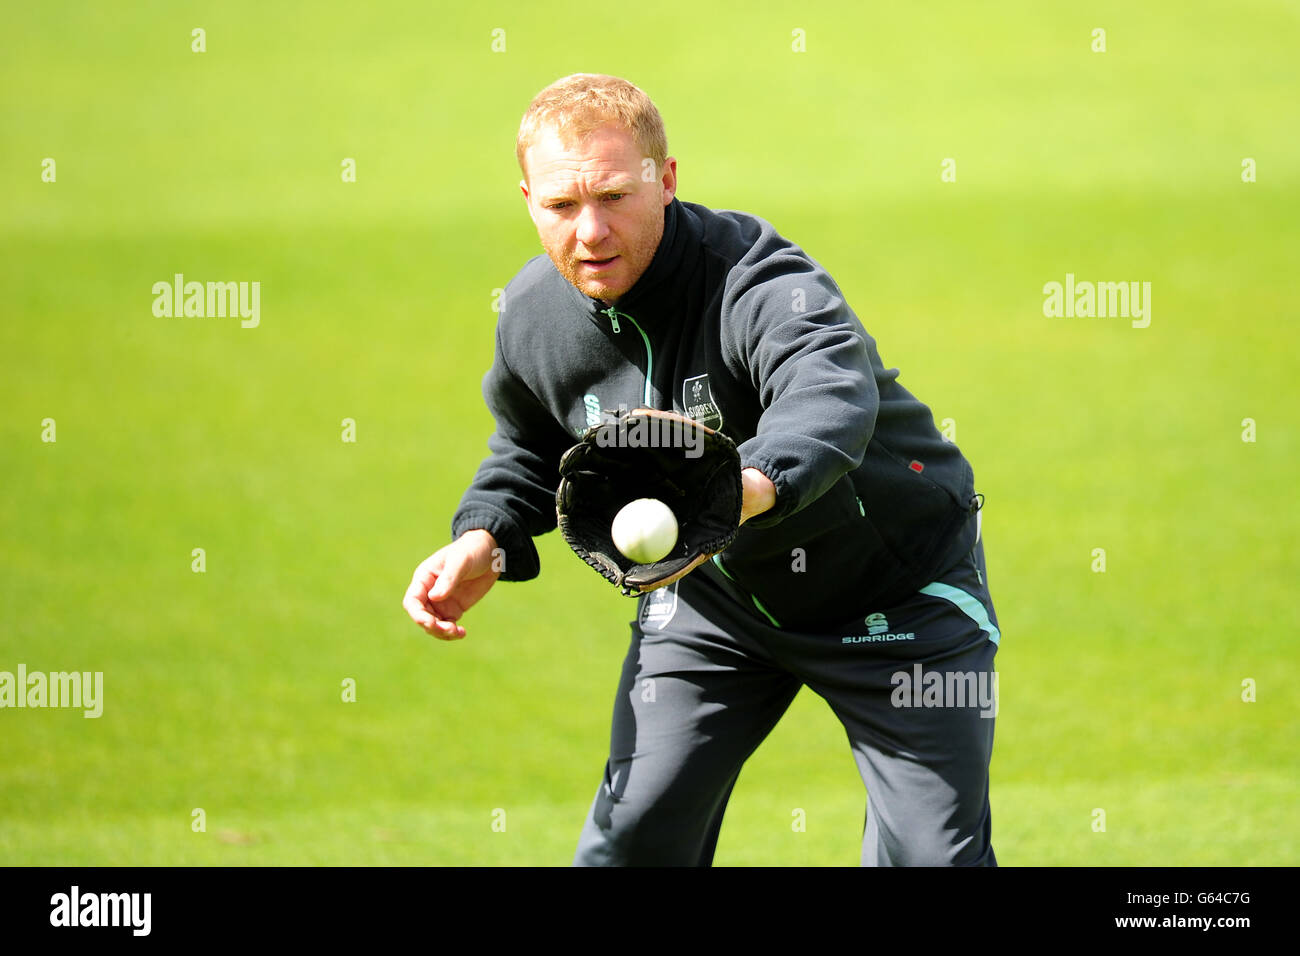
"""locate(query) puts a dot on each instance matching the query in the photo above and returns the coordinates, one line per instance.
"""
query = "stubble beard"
(638, 257)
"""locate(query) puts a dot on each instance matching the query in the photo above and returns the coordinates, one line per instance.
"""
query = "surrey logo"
(659, 607)
(697, 399)
(877, 631)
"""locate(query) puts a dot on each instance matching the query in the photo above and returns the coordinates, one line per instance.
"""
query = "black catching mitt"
(649, 453)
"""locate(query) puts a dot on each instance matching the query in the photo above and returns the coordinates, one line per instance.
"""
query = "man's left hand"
(759, 494)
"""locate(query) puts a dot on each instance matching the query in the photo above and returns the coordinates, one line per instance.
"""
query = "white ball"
(645, 530)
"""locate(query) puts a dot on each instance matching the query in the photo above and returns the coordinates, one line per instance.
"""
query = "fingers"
(419, 606)
(446, 631)
(420, 611)
(448, 582)
(454, 569)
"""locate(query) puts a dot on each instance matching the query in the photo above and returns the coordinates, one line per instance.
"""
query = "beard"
(634, 257)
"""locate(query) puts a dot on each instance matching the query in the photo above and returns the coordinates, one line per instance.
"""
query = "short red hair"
(577, 105)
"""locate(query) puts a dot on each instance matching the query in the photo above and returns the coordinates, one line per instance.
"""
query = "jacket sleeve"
(512, 495)
(810, 361)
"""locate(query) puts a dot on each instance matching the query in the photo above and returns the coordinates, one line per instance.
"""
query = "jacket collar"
(656, 296)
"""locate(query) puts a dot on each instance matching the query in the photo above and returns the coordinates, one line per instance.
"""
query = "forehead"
(607, 153)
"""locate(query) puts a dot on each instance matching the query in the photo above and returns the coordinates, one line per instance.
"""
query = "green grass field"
(1120, 691)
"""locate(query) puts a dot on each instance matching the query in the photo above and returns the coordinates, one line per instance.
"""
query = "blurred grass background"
(1119, 691)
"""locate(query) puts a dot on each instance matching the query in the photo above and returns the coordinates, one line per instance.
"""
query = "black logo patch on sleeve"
(698, 403)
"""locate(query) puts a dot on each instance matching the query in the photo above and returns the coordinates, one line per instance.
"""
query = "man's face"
(597, 217)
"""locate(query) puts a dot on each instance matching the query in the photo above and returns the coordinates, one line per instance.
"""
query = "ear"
(669, 180)
(528, 199)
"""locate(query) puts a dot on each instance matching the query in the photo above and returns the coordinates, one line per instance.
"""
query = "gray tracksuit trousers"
(706, 679)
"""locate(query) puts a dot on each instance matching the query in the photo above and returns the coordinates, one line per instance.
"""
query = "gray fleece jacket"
(738, 328)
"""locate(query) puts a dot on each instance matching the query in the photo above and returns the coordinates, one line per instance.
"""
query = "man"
(858, 570)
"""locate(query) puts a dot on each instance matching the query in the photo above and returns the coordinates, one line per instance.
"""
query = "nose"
(592, 228)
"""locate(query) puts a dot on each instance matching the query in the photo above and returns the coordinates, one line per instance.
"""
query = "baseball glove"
(649, 453)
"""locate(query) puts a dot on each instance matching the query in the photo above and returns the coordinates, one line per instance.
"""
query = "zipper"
(717, 559)
(614, 315)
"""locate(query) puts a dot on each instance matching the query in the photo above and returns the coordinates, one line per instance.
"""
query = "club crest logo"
(697, 400)
(658, 607)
